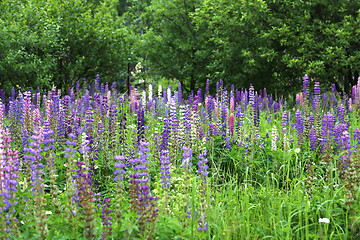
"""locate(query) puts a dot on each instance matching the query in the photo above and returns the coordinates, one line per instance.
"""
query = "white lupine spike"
(275, 137)
(169, 94)
(150, 92)
(143, 99)
(159, 91)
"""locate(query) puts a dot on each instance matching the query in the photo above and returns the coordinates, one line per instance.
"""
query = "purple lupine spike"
(284, 121)
(141, 201)
(313, 139)
(61, 134)
(102, 89)
(106, 219)
(203, 167)
(120, 168)
(106, 88)
(299, 123)
(210, 107)
(311, 120)
(97, 80)
(48, 140)
(225, 98)
(317, 94)
(2, 96)
(238, 97)
(187, 157)
(356, 136)
(203, 172)
(9, 173)
(78, 88)
(84, 85)
(199, 95)
(166, 134)
(140, 125)
(165, 169)
(268, 119)
(224, 112)
(338, 130)
(345, 140)
(341, 113)
(333, 89)
(165, 95)
(328, 125)
(256, 112)
(207, 87)
(13, 94)
(325, 102)
(239, 117)
(113, 87)
(306, 86)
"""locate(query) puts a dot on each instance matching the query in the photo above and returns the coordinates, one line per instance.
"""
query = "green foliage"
(172, 44)
(56, 42)
(274, 42)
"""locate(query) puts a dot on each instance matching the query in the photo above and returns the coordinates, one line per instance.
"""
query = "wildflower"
(297, 150)
(165, 169)
(48, 212)
(324, 220)
(274, 136)
(96, 167)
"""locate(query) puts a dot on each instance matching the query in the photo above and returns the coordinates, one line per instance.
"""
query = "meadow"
(94, 163)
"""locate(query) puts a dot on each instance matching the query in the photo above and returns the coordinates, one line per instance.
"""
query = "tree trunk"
(192, 82)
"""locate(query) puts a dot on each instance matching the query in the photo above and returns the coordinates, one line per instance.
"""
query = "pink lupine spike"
(231, 124)
(232, 104)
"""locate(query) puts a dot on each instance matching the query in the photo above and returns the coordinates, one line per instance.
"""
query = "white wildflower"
(324, 220)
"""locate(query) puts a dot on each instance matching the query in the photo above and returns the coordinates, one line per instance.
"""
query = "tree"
(59, 42)
(320, 38)
(173, 45)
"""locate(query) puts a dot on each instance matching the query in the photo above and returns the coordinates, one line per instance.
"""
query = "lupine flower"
(165, 169)
(224, 112)
(251, 95)
(71, 185)
(357, 135)
(284, 121)
(166, 134)
(106, 219)
(317, 92)
(313, 139)
(9, 173)
(119, 177)
(341, 113)
(33, 156)
(140, 125)
(187, 157)
(274, 138)
(231, 124)
(202, 164)
(305, 86)
(240, 117)
(86, 198)
(256, 112)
